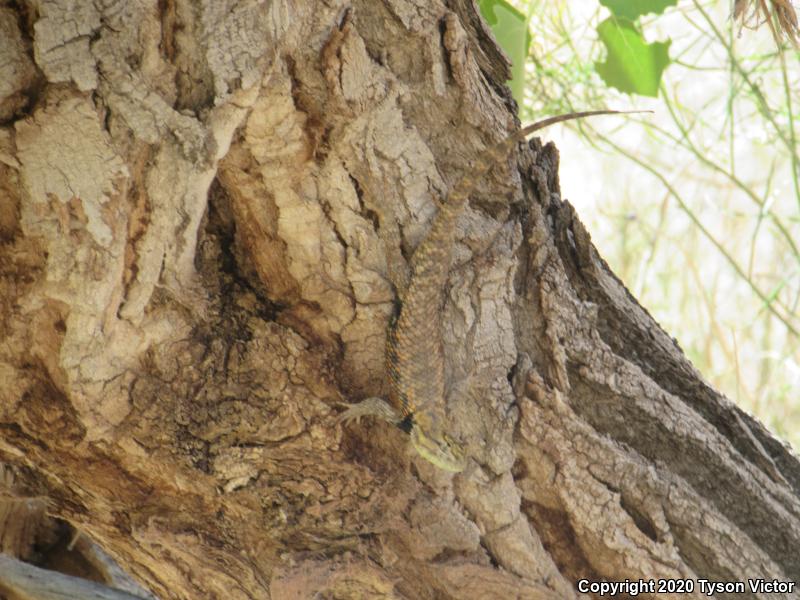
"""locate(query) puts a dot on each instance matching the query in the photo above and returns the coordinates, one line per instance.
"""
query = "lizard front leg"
(371, 407)
(434, 446)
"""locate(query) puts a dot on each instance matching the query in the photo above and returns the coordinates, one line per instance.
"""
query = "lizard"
(414, 350)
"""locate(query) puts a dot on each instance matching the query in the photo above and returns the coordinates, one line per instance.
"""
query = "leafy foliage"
(510, 28)
(632, 65)
(633, 9)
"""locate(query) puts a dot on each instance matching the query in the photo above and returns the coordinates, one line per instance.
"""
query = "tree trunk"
(202, 206)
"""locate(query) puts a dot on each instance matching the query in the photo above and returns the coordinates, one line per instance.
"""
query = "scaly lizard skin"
(415, 359)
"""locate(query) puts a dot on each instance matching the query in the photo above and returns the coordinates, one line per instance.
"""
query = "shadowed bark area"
(202, 208)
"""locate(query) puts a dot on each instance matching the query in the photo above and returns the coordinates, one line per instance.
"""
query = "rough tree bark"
(200, 204)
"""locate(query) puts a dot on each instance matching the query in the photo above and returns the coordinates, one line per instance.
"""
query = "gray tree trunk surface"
(202, 208)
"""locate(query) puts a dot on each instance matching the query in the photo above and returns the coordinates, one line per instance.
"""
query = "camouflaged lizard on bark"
(415, 357)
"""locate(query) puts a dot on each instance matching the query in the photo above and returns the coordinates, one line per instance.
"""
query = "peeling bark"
(202, 206)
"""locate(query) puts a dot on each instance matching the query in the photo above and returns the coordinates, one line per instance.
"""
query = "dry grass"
(778, 14)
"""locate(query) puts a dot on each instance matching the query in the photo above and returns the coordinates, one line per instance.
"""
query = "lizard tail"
(499, 151)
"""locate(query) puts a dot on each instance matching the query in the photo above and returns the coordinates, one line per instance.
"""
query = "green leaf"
(632, 9)
(632, 66)
(510, 28)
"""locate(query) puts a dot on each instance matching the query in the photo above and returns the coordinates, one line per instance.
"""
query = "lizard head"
(440, 450)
